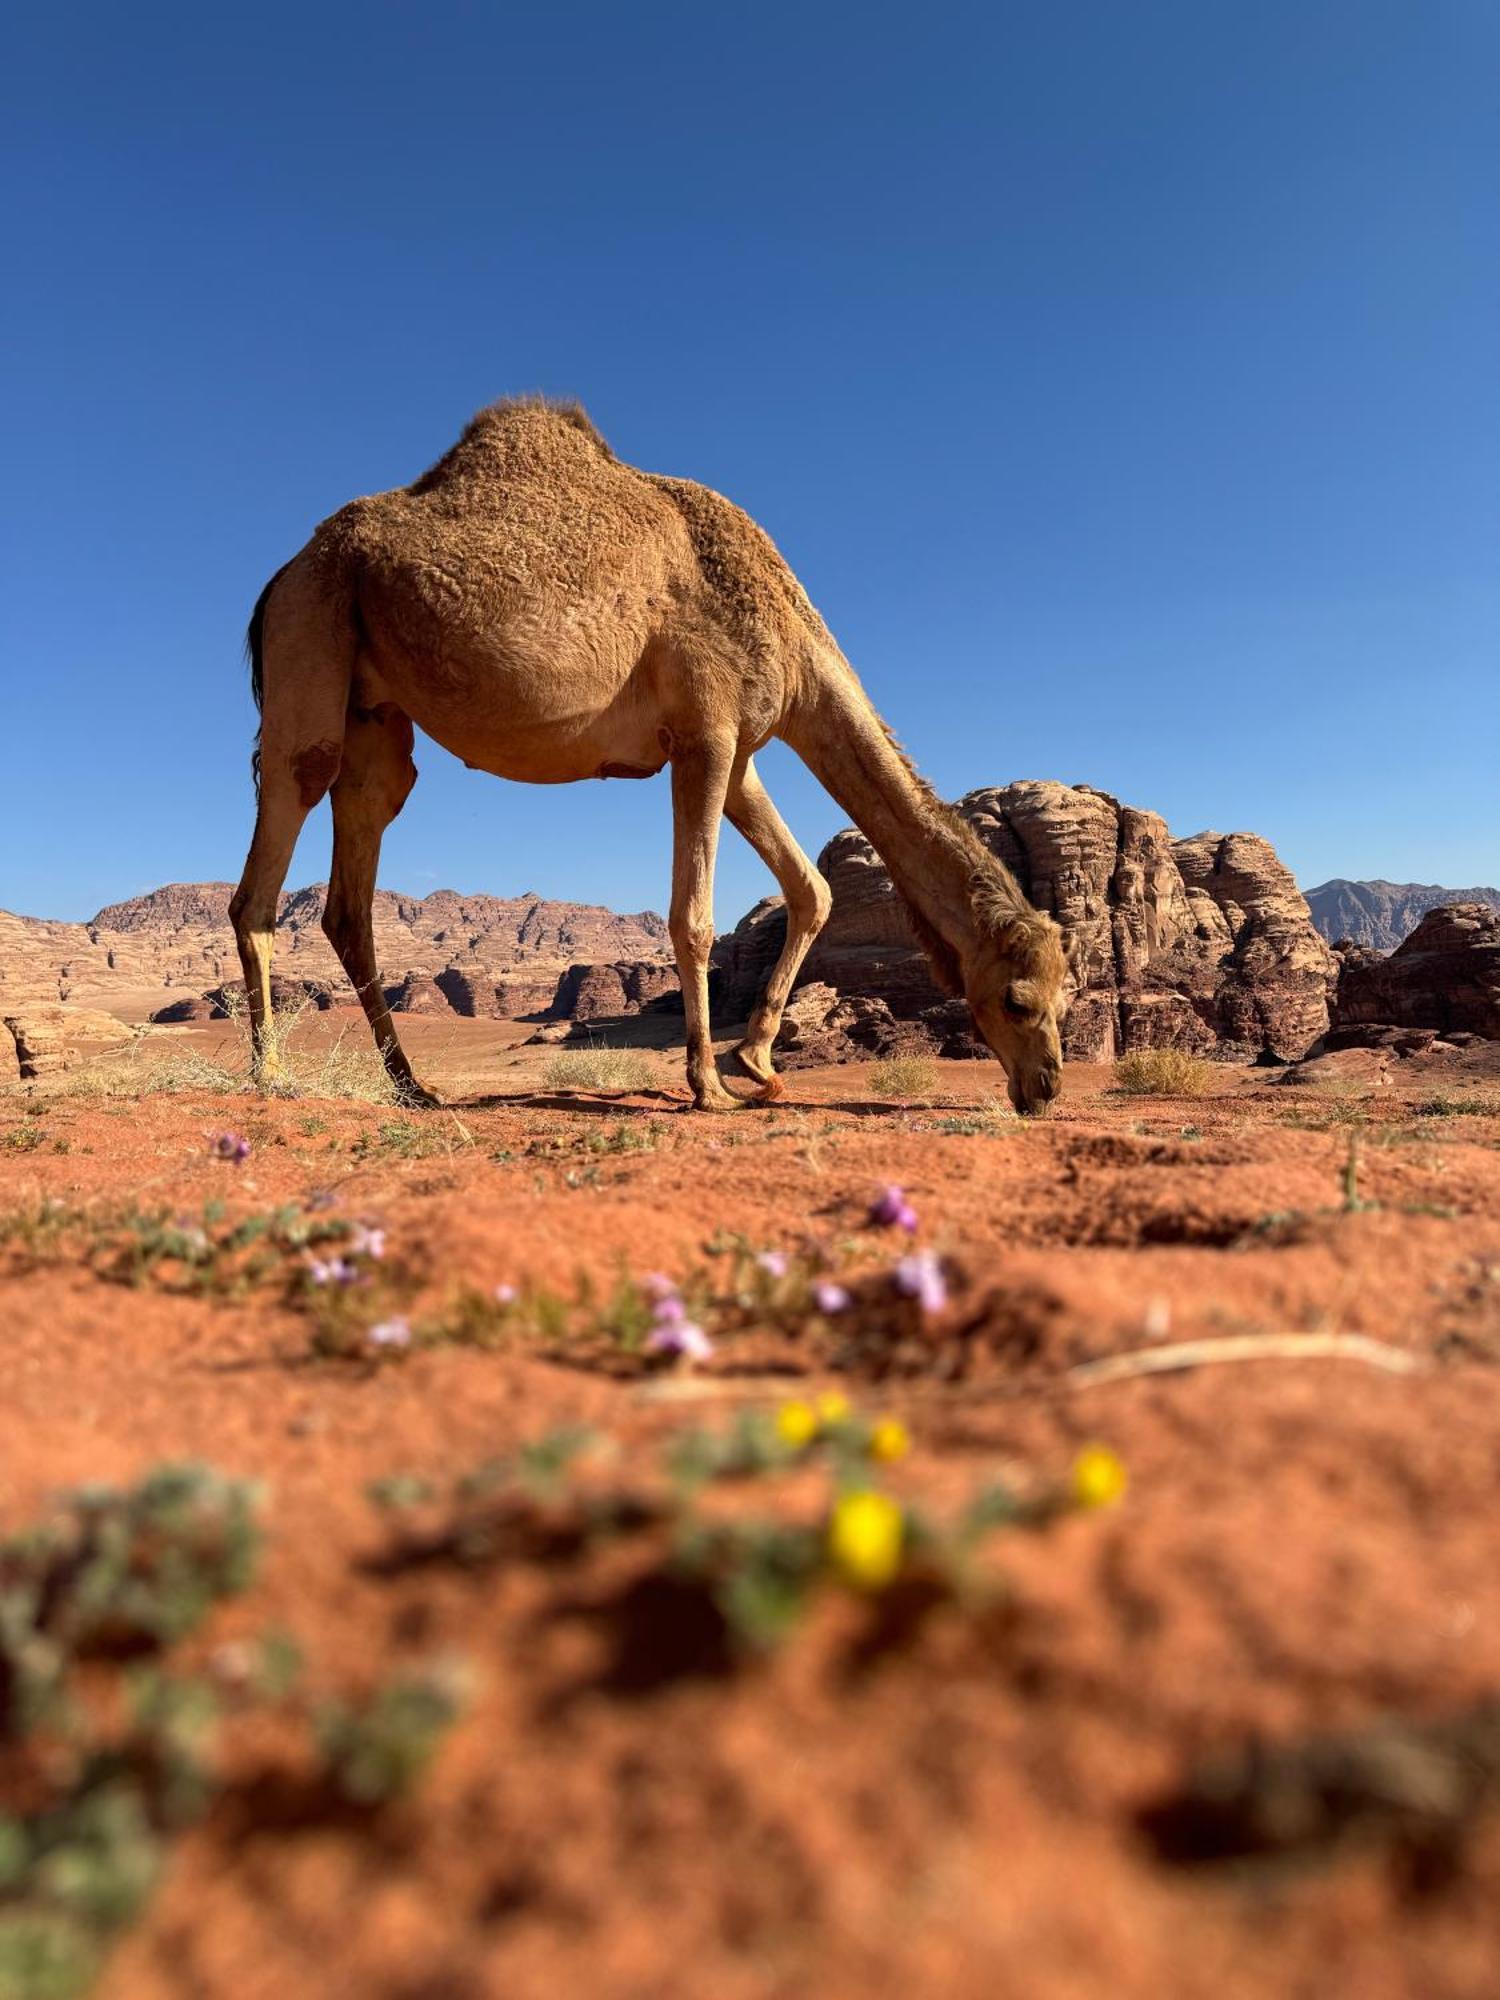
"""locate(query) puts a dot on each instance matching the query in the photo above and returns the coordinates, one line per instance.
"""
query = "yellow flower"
(889, 1440)
(864, 1539)
(796, 1424)
(832, 1407)
(1099, 1477)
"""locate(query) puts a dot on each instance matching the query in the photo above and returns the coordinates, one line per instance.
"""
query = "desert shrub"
(1163, 1073)
(902, 1076)
(94, 1598)
(599, 1069)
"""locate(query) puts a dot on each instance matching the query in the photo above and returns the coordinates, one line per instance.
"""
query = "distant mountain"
(1381, 914)
(177, 942)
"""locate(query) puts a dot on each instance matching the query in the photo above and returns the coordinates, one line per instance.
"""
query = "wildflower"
(797, 1425)
(669, 1310)
(773, 1263)
(391, 1333)
(920, 1277)
(680, 1339)
(331, 1271)
(865, 1533)
(833, 1408)
(366, 1242)
(657, 1285)
(1099, 1477)
(830, 1298)
(230, 1146)
(891, 1210)
(506, 1295)
(889, 1440)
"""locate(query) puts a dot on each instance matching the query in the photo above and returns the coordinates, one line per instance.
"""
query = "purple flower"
(891, 1210)
(506, 1295)
(331, 1271)
(230, 1146)
(829, 1297)
(682, 1339)
(366, 1242)
(657, 1285)
(393, 1333)
(920, 1277)
(773, 1263)
(669, 1311)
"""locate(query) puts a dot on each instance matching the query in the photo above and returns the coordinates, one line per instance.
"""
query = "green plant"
(23, 1138)
(375, 1750)
(1163, 1073)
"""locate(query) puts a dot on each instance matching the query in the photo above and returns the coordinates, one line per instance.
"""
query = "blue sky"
(1119, 379)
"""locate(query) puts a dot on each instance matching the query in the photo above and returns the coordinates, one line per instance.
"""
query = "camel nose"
(1038, 1091)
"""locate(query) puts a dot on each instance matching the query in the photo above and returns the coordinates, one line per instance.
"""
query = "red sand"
(1305, 1544)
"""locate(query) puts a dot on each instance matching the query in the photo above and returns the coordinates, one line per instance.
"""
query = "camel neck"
(837, 733)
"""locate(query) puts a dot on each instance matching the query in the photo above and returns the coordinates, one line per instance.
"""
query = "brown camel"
(548, 614)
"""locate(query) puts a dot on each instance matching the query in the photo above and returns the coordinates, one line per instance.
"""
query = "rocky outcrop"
(1443, 980)
(1380, 914)
(50, 1039)
(417, 994)
(1204, 943)
(287, 996)
(141, 955)
(595, 992)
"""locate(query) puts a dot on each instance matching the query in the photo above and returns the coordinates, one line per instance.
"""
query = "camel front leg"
(701, 775)
(808, 901)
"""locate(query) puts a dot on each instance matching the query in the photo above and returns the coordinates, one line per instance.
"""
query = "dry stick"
(1245, 1347)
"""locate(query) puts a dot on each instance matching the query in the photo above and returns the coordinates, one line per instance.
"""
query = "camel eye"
(1016, 1003)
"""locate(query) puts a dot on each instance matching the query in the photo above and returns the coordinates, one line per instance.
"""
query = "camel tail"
(255, 654)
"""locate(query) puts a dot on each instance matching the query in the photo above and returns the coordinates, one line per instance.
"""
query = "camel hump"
(530, 434)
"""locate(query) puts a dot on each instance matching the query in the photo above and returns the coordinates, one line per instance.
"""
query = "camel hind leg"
(808, 901)
(303, 656)
(374, 781)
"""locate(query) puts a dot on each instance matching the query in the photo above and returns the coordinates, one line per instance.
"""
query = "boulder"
(192, 1007)
(1444, 977)
(593, 992)
(50, 1039)
(417, 994)
(287, 996)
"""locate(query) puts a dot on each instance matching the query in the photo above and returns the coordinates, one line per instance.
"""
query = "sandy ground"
(1307, 1544)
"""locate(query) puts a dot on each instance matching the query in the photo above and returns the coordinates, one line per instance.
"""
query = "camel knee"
(692, 938)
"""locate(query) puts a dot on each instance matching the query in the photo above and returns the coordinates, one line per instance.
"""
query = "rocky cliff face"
(1381, 914)
(1444, 978)
(1203, 943)
(176, 943)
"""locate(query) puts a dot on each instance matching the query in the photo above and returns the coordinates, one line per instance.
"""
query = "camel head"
(1015, 976)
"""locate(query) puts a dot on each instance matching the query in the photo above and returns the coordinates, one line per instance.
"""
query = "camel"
(550, 614)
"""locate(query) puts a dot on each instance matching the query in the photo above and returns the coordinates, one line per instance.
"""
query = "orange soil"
(1305, 1544)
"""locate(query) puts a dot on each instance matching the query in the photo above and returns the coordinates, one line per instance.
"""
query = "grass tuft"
(1163, 1073)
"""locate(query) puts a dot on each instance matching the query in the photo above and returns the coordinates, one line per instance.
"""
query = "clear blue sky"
(1121, 380)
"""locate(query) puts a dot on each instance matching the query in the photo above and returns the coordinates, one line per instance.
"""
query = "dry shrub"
(903, 1076)
(1164, 1073)
(599, 1069)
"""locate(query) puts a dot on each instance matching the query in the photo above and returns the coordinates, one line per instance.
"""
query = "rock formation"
(49, 1039)
(1381, 914)
(1204, 943)
(593, 992)
(138, 958)
(1443, 980)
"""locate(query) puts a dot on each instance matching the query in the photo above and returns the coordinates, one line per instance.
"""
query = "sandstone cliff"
(1203, 943)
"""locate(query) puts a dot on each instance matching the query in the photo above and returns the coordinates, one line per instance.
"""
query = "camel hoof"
(716, 1100)
(413, 1096)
